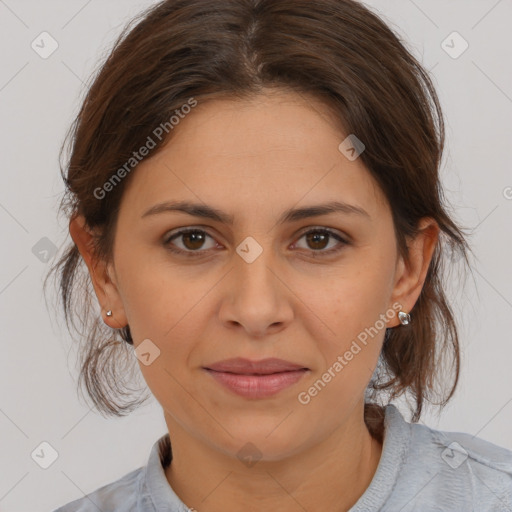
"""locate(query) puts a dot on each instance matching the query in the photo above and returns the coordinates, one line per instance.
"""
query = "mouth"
(256, 379)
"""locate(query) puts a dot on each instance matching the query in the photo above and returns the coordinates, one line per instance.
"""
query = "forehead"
(269, 151)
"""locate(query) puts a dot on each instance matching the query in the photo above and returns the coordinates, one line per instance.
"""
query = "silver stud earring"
(109, 312)
(404, 317)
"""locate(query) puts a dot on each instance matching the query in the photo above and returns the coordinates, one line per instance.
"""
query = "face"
(302, 288)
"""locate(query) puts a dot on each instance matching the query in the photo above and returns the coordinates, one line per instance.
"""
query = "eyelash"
(315, 254)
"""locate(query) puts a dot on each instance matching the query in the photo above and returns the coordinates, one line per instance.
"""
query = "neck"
(330, 475)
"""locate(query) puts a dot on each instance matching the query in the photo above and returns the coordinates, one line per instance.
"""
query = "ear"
(105, 286)
(410, 275)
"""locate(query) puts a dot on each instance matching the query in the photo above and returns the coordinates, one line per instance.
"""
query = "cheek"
(351, 312)
(348, 358)
(174, 328)
(353, 299)
(166, 307)
(158, 297)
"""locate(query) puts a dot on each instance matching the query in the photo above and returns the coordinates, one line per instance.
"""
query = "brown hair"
(337, 50)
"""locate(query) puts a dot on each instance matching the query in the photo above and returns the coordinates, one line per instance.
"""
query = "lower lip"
(257, 386)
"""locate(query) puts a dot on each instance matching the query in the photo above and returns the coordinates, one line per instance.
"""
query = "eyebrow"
(291, 215)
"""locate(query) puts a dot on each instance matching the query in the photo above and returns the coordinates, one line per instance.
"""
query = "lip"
(243, 366)
(256, 379)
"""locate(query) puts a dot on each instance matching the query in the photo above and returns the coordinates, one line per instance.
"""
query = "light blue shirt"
(421, 469)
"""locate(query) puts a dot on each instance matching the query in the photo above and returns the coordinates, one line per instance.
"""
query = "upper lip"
(246, 366)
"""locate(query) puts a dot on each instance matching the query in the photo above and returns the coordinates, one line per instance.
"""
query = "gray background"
(38, 100)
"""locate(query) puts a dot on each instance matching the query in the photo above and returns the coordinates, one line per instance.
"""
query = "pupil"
(196, 238)
(318, 237)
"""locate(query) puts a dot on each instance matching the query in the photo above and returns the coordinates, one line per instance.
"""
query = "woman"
(253, 187)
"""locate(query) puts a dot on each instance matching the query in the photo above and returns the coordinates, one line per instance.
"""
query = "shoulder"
(450, 469)
(122, 495)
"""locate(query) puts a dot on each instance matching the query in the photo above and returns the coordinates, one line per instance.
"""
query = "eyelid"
(344, 236)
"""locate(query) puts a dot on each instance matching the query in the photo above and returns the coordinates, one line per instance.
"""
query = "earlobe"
(106, 291)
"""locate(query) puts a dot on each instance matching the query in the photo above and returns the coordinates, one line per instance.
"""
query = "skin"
(255, 159)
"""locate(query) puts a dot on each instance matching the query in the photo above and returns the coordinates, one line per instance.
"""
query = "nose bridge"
(258, 298)
(255, 269)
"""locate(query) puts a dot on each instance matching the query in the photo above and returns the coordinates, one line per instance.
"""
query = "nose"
(257, 297)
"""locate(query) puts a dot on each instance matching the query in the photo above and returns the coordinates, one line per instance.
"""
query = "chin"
(263, 441)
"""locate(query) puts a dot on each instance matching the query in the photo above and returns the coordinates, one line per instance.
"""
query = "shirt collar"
(395, 446)
(161, 493)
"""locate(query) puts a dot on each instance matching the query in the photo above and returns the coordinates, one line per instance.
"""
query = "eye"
(319, 238)
(193, 239)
